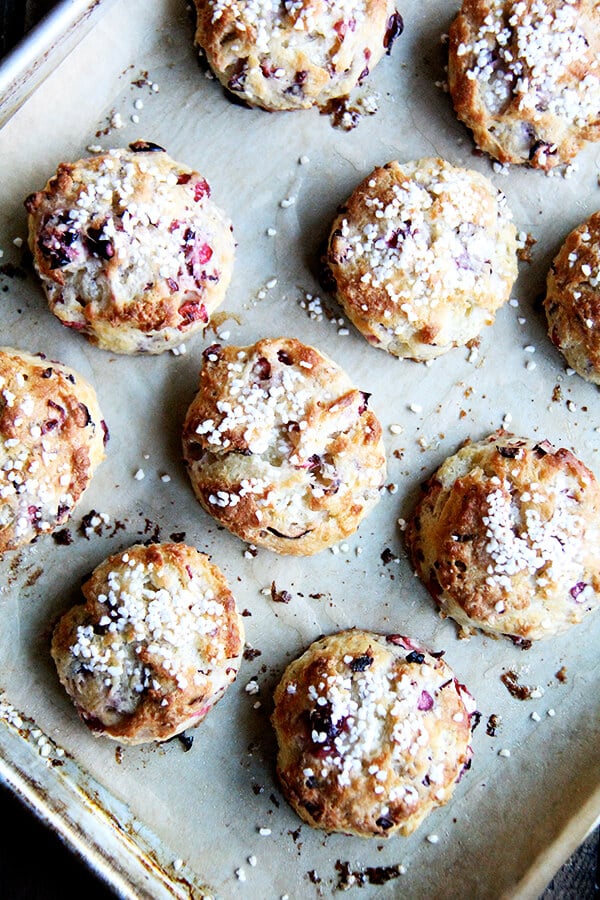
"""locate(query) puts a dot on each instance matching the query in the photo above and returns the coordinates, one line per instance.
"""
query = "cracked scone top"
(281, 448)
(524, 76)
(506, 537)
(130, 249)
(373, 733)
(52, 438)
(423, 254)
(572, 301)
(296, 54)
(155, 645)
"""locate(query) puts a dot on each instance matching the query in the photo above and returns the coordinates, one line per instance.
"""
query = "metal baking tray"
(166, 821)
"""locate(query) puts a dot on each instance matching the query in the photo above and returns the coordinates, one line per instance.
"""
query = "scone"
(423, 254)
(373, 731)
(130, 249)
(52, 438)
(294, 55)
(155, 645)
(506, 537)
(572, 301)
(524, 76)
(281, 448)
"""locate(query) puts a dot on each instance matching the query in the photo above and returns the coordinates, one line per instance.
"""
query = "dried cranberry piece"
(395, 27)
(184, 178)
(361, 663)
(384, 822)
(321, 721)
(425, 701)
(399, 235)
(172, 285)
(262, 368)
(213, 350)
(365, 402)
(541, 148)
(509, 452)
(56, 240)
(201, 189)
(285, 358)
(237, 81)
(47, 373)
(34, 513)
(577, 589)
(146, 147)
(192, 311)
(99, 246)
(105, 432)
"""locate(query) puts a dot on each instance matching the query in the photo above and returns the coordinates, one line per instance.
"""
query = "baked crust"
(281, 448)
(155, 645)
(52, 437)
(572, 301)
(506, 537)
(525, 77)
(423, 254)
(130, 249)
(294, 56)
(373, 733)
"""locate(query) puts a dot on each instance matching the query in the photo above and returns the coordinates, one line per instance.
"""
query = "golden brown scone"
(374, 732)
(572, 301)
(423, 254)
(281, 448)
(506, 537)
(52, 438)
(130, 249)
(524, 76)
(294, 55)
(155, 645)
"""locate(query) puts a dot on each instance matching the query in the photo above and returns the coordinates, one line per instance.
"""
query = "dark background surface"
(34, 862)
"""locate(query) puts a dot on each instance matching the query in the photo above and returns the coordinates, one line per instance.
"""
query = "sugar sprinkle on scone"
(423, 254)
(281, 448)
(294, 55)
(572, 301)
(155, 645)
(130, 249)
(506, 537)
(524, 76)
(374, 732)
(52, 438)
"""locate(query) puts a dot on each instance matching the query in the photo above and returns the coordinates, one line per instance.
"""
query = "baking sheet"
(183, 823)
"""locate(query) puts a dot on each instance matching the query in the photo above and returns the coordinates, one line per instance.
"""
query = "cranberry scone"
(373, 733)
(155, 645)
(294, 55)
(506, 537)
(524, 76)
(281, 448)
(423, 254)
(572, 301)
(130, 248)
(52, 439)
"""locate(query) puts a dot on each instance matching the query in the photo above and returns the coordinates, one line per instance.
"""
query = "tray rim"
(41, 50)
(131, 868)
